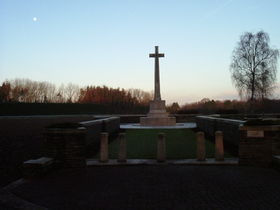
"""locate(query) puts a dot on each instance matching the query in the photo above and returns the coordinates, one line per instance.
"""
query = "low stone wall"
(94, 128)
(182, 118)
(229, 127)
(111, 125)
(131, 118)
(257, 144)
(248, 116)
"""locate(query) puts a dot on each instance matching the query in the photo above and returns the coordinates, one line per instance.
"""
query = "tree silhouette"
(254, 66)
(5, 89)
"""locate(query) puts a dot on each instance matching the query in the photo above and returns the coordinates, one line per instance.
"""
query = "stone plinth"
(157, 121)
(157, 115)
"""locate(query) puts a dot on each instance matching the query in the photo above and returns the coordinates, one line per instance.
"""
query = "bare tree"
(142, 97)
(254, 65)
(71, 92)
(51, 93)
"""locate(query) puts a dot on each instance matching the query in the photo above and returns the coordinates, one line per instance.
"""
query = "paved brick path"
(156, 187)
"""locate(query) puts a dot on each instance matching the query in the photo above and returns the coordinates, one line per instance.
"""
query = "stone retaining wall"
(256, 144)
(94, 129)
(229, 127)
(182, 118)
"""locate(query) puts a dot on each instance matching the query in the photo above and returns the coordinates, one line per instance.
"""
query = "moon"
(34, 19)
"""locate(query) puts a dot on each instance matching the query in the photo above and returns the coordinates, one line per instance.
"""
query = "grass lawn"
(142, 144)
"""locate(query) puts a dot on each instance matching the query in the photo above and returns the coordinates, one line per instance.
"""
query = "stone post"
(219, 146)
(122, 150)
(161, 156)
(200, 139)
(104, 147)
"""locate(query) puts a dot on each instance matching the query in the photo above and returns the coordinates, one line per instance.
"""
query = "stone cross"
(157, 55)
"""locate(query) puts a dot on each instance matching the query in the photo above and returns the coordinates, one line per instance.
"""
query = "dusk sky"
(107, 42)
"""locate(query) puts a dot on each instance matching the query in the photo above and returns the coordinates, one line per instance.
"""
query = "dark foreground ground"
(21, 139)
(156, 187)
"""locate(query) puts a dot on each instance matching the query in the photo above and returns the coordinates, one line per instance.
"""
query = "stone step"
(37, 167)
(208, 161)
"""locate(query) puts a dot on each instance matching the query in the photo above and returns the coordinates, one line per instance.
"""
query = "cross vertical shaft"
(157, 55)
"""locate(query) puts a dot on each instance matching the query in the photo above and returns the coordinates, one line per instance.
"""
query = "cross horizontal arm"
(156, 55)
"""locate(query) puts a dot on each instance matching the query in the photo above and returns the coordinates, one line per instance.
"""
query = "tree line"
(28, 91)
(208, 106)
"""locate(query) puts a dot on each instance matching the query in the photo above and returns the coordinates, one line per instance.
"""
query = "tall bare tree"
(254, 66)
(72, 92)
(142, 97)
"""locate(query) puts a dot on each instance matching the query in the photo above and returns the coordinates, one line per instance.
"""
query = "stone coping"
(42, 160)
(208, 161)
(216, 117)
(66, 130)
(90, 122)
(177, 126)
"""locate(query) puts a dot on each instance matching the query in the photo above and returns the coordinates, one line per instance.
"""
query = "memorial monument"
(157, 115)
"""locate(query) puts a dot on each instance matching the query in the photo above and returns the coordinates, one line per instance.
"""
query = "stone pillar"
(258, 143)
(122, 150)
(65, 143)
(104, 147)
(200, 139)
(161, 153)
(219, 146)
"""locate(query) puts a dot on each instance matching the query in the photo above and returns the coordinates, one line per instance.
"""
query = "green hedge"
(14, 109)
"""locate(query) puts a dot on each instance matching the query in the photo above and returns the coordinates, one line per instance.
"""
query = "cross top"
(156, 54)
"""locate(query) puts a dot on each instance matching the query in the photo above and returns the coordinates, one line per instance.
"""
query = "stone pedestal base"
(157, 115)
(157, 121)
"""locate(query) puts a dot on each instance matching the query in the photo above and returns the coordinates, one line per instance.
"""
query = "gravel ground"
(156, 187)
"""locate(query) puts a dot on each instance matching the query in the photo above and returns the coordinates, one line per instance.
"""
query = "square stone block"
(157, 105)
(157, 121)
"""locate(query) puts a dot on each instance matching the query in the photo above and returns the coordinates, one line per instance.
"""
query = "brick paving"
(156, 187)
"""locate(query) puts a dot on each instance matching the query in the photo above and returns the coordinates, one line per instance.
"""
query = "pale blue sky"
(107, 42)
